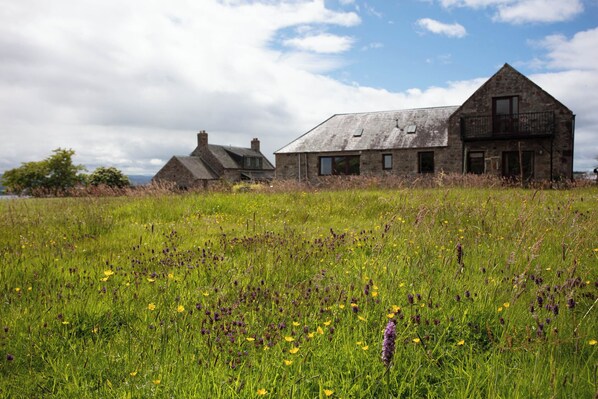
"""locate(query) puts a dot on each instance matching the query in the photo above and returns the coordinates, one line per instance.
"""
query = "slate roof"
(410, 128)
(226, 156)
(197, 167)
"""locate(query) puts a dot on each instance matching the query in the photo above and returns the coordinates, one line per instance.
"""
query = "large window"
(425, 162)
(505, 114)
(339, 165)
(514, 162)
(387, 161)
(475, 162)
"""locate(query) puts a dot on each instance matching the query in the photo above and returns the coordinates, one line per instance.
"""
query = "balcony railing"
(515, 126)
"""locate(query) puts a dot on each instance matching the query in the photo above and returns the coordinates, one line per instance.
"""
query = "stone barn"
(509, 127)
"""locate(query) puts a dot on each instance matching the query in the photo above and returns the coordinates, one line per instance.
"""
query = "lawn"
(490, 293)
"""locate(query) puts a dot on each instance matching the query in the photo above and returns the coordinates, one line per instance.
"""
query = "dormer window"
(252, 162)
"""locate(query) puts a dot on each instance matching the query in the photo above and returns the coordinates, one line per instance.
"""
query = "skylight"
(411, 129)
(358, 133)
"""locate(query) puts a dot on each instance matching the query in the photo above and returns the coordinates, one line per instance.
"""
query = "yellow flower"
(320, 331)
(104, 279)
(296, 324)
(396, 309)
(133, 373)
(205, 293)
(416, 340)
(359, 343)
(151, 306)
(506, 305)
(310, 335)
(390, 315)
(365, 347)
(328, 392)
(180, 309)
(261, 392)
(156, 382)
(341, 306)
(294, 350)
(288, 362)
(354, 305)
(460, 343)
(170, 276)
(266, 348)
(499, 309)
(108, 273)
(592, 342)
(327, 322)
(289, 339)
(150, 280)
(250, 339)
(361, 318)
(95, 329)
(17, 289)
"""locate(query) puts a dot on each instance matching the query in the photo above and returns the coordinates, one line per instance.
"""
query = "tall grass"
(287, 294)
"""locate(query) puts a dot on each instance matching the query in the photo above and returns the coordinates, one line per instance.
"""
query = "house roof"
(196, 167)
(226, 156)
(410, 128)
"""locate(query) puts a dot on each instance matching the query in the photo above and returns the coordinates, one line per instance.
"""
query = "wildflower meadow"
(368, 293)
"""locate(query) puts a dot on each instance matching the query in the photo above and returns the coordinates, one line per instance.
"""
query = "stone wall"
(557, 152)
(175, 172)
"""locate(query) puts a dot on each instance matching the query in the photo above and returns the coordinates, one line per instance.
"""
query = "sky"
(129, 83)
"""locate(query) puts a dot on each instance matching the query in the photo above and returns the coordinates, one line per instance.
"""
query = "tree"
(55, 173)
(110, 177)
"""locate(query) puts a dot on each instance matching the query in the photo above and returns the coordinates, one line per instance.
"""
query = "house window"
(339, 165)
(514, 162)
(425, 162)
(475, 162)
(252, 162)
(505, 114)
(386, 161)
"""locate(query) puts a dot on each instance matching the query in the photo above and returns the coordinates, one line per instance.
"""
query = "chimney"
(202, 139)
(255, 145)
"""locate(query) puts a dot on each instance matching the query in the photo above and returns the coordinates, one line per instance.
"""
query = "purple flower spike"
(388, 344)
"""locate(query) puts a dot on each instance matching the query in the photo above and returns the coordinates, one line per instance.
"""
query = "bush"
(110, 177)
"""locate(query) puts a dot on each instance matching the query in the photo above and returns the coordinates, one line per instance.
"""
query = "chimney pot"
(255, 145)
(202, 139)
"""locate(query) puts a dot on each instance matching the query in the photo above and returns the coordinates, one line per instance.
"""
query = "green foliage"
(54, 174)
(207, 295)
(110, 177)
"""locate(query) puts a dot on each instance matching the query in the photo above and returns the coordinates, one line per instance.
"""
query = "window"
(425, 162)
(386, 161)
(339, 165)
(505, 114)
(475, 162)
(512, 164)
(252, 162)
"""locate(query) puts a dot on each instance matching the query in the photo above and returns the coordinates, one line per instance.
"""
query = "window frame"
(512, 170)
(483, 158)
(505, 123)
(421, 162)
(386, 157)
(351, 165)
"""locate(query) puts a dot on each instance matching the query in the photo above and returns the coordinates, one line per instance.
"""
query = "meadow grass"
(237, 295)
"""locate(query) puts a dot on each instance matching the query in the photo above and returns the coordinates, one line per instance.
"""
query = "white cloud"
(324, 43)
(539, 11)
(524, 11)
(133, 91)
(451, 30)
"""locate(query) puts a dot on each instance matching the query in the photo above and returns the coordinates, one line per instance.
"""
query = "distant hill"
(139, 180)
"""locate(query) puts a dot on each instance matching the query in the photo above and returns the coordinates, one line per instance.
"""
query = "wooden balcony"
(508, 127)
